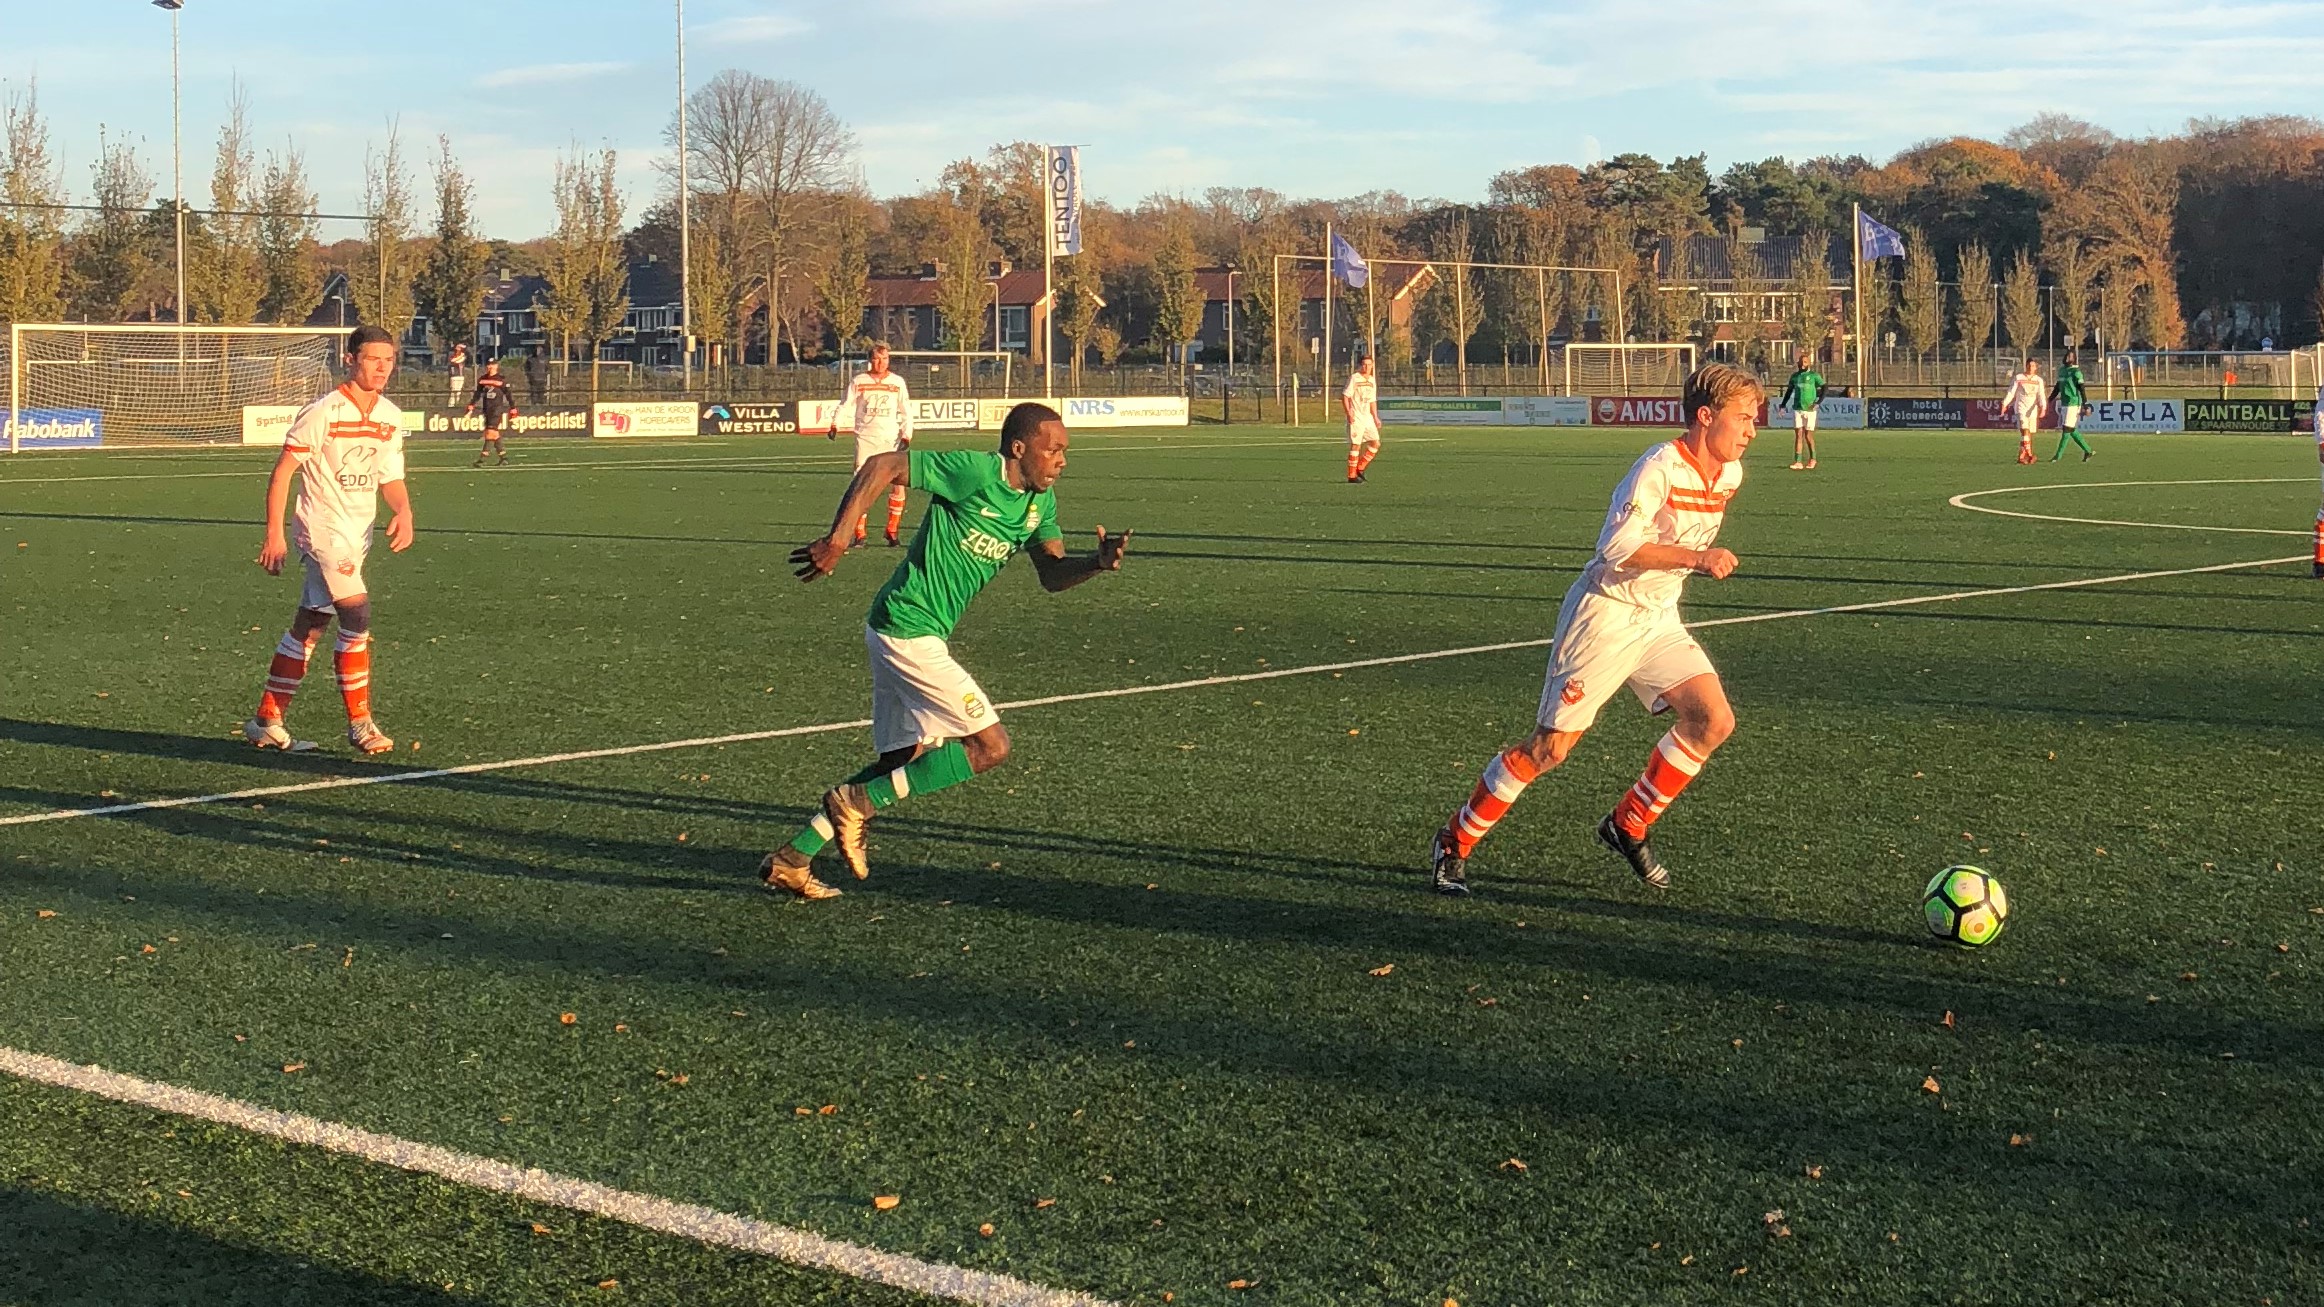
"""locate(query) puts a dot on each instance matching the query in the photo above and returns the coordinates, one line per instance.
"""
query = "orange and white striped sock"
(354, 659)
(895, 508)
(2320, 542)
(1505, 778)
(1364, 460)
(1355, 460)
(1668, 770)
(284, 673)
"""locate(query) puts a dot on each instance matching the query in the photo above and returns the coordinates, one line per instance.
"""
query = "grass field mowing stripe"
(684, 1220)
(1392, 660)
(1962, 501)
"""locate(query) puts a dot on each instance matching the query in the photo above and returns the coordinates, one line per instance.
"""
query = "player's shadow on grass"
(61, 1252)
(174, 748)
(437, 529)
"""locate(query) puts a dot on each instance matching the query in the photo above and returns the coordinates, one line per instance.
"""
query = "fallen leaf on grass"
(1383, 970)
(886, 1202)
(566, 1018)
(802, 1111)
(2020, 1141)
(1239, 1285)
(347, 959)
(2187, 975)
(681, 837)
(1812, 1171)
(1514, 1164)
(1932, 1086)
(620, 1029)
(609, 1284)
(45, 913)
(147, 949)
(293, 1068)
(1039, 1203)
(1773, 1223)
(1687, 1260)
(985, 1231)
(539, 1228)
(828, 1109)
(1948, 1023)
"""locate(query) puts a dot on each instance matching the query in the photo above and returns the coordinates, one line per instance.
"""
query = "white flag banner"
(1064, 199)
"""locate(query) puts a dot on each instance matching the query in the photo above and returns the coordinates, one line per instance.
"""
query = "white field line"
(619, 751)
(684, 1220)
(802, 459)
(1962, 501)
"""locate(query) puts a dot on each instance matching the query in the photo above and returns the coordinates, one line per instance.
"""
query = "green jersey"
(976, 522)
(1805, 391)
(2070, 385)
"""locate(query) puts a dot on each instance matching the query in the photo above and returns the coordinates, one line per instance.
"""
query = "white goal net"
(86, 384)
(1607, 369)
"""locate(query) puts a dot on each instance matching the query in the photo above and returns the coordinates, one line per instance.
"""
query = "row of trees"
(2081, 232)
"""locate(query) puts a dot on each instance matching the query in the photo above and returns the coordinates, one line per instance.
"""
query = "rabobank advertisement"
(52, 428)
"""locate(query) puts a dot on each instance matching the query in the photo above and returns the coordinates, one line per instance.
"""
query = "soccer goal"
(84, 383)
(1609, 369)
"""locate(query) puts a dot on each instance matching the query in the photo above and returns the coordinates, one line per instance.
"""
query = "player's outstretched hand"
(1717, 563)
(399, 532)
(272, 553)
(1110, 549)
(816, 558)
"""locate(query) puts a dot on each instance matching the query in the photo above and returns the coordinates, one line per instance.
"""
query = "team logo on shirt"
(1573, 692)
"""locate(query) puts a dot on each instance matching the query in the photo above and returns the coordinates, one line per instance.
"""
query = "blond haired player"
(878, 408)
(347, 450)
(1620, 626)
(1361, 402)
(2026, 400)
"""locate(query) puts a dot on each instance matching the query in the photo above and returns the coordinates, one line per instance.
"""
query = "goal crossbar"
(161, 383)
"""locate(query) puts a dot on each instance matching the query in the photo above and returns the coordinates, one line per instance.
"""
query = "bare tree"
(110, 255)
(31, 238)
(223, 282)
(2072, 272)
(726, 146)
(1808, 307)
(842, 275)
(1007, 190)
(450, 288)
(1178, 300)
(2116, 288)
(806, 155)
(2021, 303)
(381, 283)
(588, 270)
(962, 291)
(2133, 196)
(287, 274)
(1973, 302)
(1080, 276)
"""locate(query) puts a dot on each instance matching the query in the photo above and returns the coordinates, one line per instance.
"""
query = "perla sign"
(2121, 415)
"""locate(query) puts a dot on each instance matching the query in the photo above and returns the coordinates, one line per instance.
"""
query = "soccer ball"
(1965, 905)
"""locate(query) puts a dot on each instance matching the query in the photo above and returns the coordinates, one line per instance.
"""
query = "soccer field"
(1163, 1011)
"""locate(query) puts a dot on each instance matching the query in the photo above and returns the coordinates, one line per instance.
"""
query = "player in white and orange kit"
(2026, 400)
(1620, 626)
(878, 408)
(1361, 402)
(347, 450)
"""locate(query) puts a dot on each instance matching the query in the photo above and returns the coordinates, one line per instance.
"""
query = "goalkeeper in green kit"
(1801, 394)
(2071, 393)
(932, 724)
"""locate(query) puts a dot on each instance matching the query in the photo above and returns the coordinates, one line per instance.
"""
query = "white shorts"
(1365, 434)
(1803, 419)
(866, 447)
(920, 695)
(2070, 415)
(333, 575)
(1602, 643)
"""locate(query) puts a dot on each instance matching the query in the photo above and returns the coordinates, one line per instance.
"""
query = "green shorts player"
(933, 726)
(2072, 395)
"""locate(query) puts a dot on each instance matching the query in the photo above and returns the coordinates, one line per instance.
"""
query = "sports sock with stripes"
(895, 508)
(354, 664)
(1672, 764)
(287, 669)
(1505, 778)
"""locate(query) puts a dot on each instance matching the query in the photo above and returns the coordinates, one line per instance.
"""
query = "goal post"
(159, 384)
(1620, 369)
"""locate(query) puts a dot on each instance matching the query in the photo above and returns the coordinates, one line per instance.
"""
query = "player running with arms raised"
(1620, 626)
(499, 405)
(1801, 394)
(878, 408)
(2025, 401)
(347, 449)
(1361, 402)
(931, 723)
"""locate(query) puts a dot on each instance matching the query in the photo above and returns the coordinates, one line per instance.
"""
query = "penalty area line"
(703, 1225)
(1085, 696)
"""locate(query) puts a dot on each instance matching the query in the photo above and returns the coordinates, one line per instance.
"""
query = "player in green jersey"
(1801, 394)
(2072, 393)
(931, 723)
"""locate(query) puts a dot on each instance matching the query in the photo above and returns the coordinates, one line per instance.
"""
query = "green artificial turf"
(1166, 1002)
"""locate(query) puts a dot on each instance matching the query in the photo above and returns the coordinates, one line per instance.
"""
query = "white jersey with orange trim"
(345, 454)
(1362, 394)
(1666, 499)
(879, 411)
(2028, 396)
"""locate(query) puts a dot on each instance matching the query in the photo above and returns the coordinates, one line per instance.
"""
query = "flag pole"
(1856, 251)
(1329, 256)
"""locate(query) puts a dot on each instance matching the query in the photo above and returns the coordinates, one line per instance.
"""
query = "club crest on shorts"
(1573, 691)
(346, 569)
(972, 704)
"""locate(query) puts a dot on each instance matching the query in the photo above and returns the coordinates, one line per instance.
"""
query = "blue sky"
(1429, 97)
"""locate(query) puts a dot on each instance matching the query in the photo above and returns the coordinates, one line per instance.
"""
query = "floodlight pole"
(177, 167)
(1856, 260)
(686, 228)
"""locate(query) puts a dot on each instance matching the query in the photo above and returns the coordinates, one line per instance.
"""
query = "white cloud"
(748, 29)
(547, 74)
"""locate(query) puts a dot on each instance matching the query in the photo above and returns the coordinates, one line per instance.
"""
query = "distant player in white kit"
(347, 450)
(2028, 397)
(1620, 626)
(1361, 402)
(878, 408)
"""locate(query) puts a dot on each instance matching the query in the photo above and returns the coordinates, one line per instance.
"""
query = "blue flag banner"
(1876, 241)
(1347, 265)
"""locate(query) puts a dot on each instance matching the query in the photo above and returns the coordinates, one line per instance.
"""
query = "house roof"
(1019, 286)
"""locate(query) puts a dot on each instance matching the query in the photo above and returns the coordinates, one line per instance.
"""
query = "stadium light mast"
(177, 166)
(686, 227)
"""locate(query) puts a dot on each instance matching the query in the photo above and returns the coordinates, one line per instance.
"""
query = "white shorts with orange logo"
(1363, 433)
(1602, 644)
(921, 694)
(334, 572)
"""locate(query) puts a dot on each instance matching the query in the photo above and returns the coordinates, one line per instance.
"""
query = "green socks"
(937, 769)
(2064, 436)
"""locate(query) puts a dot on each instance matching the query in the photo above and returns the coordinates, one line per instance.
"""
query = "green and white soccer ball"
(1965, 905)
